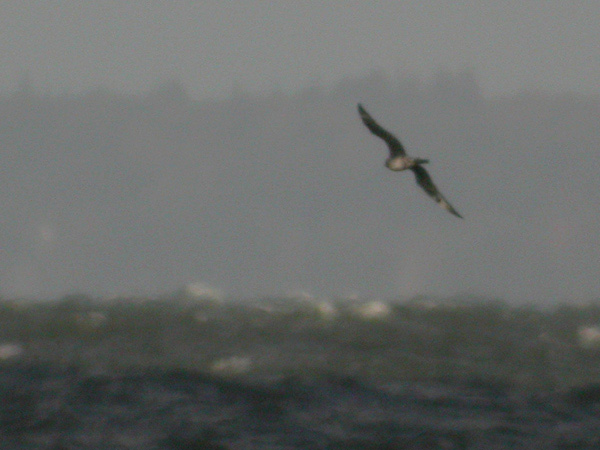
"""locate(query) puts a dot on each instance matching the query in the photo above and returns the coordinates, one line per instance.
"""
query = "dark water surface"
(297, 374)
(44, 407)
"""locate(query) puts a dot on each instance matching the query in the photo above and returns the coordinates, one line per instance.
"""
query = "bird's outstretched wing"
(396, 148)
(424, 180)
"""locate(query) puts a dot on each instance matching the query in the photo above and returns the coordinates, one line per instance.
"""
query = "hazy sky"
(113, 197)
(214, 46)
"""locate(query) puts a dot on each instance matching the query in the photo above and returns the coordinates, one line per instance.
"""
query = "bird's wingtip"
(448, 207)
(455, 212)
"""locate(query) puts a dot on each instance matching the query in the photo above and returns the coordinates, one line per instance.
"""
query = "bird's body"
(398, 163)
(399, 160)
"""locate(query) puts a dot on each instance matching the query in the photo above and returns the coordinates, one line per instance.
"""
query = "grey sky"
(107, 193)
(214, 46)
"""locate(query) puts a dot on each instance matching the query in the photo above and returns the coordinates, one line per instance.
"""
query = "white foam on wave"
(10, 350)
(233, 365)
(326, 309)
(373, 310)
(589, 337)
(202, 290)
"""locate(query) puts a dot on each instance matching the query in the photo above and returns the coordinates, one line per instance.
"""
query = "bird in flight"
(399, 160)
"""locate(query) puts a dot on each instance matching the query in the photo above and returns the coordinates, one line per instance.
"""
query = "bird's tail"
(421, 161)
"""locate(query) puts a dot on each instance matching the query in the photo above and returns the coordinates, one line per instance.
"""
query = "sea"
(298, 373)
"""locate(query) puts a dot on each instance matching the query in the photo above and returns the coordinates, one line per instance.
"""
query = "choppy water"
(49, 408)
(297, 375)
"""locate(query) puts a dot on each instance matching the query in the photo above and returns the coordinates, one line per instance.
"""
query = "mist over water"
(113, 194)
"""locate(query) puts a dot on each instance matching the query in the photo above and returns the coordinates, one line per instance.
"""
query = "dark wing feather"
(424, 180)
(396, 148)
